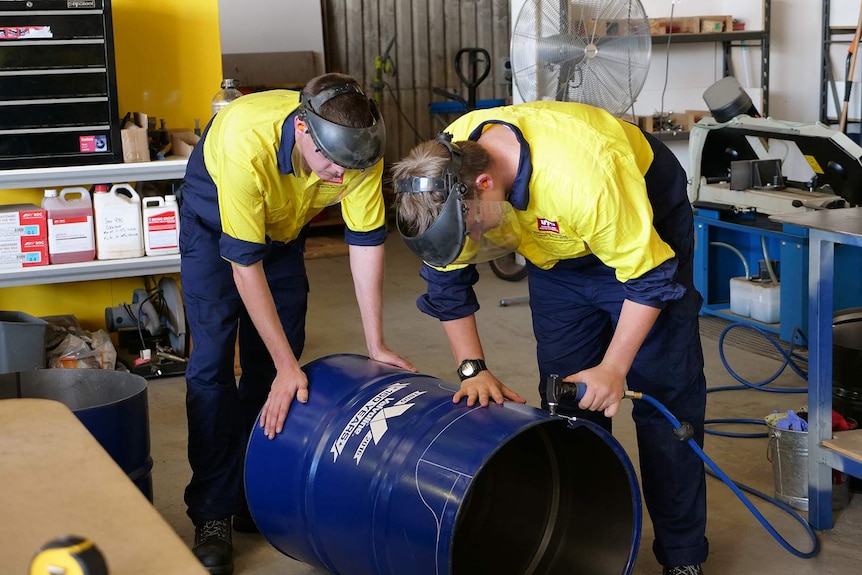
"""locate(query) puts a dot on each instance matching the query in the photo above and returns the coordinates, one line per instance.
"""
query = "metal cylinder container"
(381, 474)
(788, 452)
(112, 405)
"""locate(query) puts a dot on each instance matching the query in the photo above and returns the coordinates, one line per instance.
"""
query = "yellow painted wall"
(168, 61)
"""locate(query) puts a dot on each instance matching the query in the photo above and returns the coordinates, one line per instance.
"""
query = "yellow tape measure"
(70, 555)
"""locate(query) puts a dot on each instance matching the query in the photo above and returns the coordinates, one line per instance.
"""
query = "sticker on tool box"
(25, 32)
(90, 144)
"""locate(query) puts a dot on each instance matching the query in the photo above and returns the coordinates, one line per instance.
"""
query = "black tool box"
(58, 86)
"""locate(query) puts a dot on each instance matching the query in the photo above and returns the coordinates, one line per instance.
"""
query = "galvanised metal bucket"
(381, 474)
(112, 405)
(788, 452)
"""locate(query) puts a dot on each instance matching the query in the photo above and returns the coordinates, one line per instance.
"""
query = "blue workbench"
(829, 231)
(715, 266)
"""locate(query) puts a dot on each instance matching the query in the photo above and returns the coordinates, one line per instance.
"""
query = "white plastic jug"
(161, 225)
(71, 236)
(118, 223)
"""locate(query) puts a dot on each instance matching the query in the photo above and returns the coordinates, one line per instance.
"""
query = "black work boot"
(213, 546)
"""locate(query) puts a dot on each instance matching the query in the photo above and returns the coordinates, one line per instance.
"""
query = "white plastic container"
(161, 225)
(765, 301)
(71, 236)
(740, 296)
(757, 299)
(119, 229)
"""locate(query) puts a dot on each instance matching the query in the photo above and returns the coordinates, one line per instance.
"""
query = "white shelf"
(86, 271)
(88, 175)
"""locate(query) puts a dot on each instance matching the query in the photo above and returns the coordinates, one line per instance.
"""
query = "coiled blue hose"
(790, 360)
(738, 488)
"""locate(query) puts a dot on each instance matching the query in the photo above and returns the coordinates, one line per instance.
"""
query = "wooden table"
(56, 480)
(827, 228)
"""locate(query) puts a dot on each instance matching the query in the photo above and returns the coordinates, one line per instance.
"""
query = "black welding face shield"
(467, 229)
(352, 148)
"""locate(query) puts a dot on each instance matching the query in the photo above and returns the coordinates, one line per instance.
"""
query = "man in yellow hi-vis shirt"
(267, 164)
(600, 212)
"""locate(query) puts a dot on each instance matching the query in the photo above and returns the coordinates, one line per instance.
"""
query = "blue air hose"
(790, 360)
(558, 389)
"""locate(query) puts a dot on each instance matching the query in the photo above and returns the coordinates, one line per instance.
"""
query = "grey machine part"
(151, 331)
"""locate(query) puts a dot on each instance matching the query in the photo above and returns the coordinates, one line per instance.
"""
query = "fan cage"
(595, 52)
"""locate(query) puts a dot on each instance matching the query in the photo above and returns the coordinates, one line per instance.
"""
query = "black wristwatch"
(470, 368)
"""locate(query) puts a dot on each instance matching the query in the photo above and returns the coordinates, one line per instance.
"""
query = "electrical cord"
(419, 138)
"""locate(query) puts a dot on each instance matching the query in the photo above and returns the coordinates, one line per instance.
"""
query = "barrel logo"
(371, 420)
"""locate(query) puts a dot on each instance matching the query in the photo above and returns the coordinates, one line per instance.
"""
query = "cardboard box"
(690, 25)
(711, 24)
(18, 220)
(272, 69)
(183, 142)
(23, 252)
(136, 147)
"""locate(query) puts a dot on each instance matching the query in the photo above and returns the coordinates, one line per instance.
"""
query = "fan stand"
(506, 302)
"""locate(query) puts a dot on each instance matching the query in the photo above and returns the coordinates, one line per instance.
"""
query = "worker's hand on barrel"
(386, 355)
(484, 387)
(605, 388)
(286, 386)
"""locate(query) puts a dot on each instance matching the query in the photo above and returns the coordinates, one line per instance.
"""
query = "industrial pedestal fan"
(592, 51)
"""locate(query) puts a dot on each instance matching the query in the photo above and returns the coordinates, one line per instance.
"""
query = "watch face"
(468, 369)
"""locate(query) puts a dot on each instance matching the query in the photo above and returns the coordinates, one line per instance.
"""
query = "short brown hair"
(351, 109)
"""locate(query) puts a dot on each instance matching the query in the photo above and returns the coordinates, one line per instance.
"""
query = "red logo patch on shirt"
(548, 225)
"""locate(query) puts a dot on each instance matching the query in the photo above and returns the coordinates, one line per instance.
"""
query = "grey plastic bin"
(22, 342)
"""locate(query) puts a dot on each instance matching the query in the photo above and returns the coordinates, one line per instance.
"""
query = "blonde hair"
(417, 211)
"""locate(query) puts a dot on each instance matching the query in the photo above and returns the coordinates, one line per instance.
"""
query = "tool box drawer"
(54, 84)
(58, 87)
(50, 54)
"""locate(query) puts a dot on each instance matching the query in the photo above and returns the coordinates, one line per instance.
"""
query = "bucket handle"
(771, 447)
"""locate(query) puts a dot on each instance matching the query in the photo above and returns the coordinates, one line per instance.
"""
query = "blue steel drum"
(112, 405)
(381, 474)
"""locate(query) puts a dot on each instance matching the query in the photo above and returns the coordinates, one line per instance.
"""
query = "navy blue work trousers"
(221, 412)
(575, 307)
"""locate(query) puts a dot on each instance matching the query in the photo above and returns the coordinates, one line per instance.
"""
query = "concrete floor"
(739, 545)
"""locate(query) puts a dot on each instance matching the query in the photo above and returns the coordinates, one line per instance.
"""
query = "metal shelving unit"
(78, 175)
(730, 40)
(831, 35)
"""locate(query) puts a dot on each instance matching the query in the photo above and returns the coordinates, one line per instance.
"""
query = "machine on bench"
(743, 169)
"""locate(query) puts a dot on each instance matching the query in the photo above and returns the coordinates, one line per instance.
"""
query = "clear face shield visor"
(467, 230)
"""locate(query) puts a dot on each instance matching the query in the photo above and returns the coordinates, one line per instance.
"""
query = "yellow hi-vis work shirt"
(263, 191)
(580, 187)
